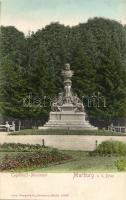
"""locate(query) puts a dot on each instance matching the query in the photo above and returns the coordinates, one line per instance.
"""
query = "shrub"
(18, 147)
(35, 159)
(121, 165)
(110, 148)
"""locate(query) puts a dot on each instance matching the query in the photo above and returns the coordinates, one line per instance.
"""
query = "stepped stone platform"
(68, 120)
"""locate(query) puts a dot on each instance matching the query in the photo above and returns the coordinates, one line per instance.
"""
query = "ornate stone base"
(68, 120)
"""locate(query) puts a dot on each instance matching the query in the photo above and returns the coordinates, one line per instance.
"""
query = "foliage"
(110, 148)
(12, 89)
(121, 165)
(83, 162)
(32, 160)
(18, 147)
(32, 65)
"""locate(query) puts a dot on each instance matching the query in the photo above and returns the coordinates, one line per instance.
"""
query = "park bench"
(4, 127)
(117, 128)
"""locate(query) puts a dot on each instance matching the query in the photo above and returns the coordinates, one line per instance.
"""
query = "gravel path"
(64, 142)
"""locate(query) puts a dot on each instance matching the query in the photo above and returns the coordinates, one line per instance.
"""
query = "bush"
(18, 147)
(121, 165)
(36, 159)
(110, 148)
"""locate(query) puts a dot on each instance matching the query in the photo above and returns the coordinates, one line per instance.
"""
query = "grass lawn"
(81, 161)
(66, 132)
(54, 160)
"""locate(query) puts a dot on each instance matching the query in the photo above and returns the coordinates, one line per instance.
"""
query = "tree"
(12, 88)
(32, 65)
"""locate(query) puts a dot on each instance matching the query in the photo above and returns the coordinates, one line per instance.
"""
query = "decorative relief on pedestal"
(57, 103)
(79, 107)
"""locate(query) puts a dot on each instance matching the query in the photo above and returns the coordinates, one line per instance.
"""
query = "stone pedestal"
(67, 118)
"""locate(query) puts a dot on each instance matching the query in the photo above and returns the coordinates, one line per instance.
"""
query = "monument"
(67, 111)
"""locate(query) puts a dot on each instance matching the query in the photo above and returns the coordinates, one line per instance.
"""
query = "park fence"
(21, 124)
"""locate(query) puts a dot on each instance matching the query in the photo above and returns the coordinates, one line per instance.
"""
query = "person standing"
(7, 126)
(13, 126)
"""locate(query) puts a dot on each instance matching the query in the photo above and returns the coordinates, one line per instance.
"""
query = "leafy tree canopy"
(32, 65)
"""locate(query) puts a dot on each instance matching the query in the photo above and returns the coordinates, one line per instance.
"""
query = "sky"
(31, 15)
